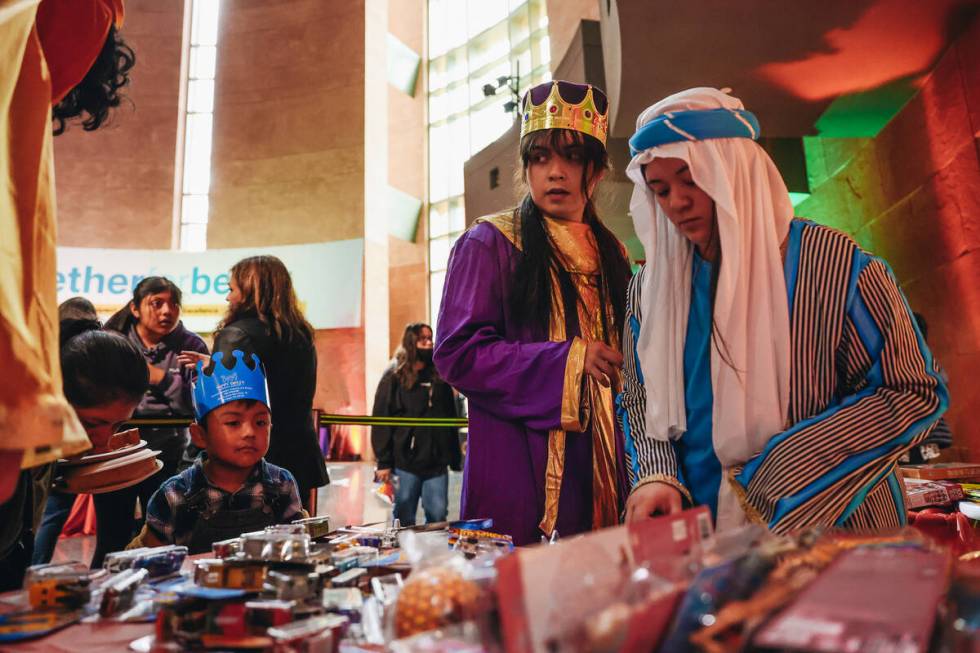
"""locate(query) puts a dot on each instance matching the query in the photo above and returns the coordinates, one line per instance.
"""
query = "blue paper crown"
(698, 125)
(223, 386)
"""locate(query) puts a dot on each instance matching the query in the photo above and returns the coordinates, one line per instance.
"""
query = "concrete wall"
(115, 186)
(288, 148)
(563, 23)
(407, 260)
(912, 196)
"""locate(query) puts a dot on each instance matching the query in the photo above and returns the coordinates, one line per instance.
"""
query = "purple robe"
(513, 378)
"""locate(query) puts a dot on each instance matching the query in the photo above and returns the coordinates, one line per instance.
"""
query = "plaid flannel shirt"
(167, 520)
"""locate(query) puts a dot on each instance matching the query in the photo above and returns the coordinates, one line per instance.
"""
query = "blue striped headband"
(675, 126)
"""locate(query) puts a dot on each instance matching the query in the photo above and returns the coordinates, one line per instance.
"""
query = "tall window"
(472, 43)
(198, 121)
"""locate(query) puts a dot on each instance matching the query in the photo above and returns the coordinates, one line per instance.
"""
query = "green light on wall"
(798, 198)
(865, 113)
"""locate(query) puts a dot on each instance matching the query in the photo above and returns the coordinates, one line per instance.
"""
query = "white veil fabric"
(751, 312)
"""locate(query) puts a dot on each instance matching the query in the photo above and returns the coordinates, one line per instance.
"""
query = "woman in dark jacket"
(264, 318)
(411, 387)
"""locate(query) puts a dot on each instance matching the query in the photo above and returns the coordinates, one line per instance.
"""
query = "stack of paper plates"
(109, 470)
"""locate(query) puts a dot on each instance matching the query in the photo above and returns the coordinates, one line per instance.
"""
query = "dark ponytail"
(99, 367)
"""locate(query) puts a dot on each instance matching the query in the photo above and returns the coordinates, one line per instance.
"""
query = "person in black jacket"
(418, 456)
(264, 318)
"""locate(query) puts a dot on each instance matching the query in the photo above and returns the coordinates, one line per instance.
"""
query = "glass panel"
(194, 237)
(523, 58)
(438, 30)
(539, 14)
(457, 216)
(490, 122)
(459, 142)
(197, 154)
(204, 22)
(194, 209)
(459, 99)
(455, 22)
(456, 66)
(515, 4)
(544, 51)
(438, 253)
(436, 282)
(438, 76)
(203, 62)
(200, 96)
(489, 76)
(439, 162)
(483, 14)
(489, 47)
(520, 26)
(439, 219)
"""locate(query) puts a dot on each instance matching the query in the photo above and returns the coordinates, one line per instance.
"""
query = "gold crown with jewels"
(564, 105)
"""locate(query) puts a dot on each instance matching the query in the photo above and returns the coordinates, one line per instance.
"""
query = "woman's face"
(687, 206)
(100, 422)
(424, 340)
(554, 180)
(158, 313)
(234, 294)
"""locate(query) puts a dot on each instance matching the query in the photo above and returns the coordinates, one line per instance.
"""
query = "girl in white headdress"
(776, 373)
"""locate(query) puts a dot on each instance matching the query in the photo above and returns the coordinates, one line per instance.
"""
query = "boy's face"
(237, 433)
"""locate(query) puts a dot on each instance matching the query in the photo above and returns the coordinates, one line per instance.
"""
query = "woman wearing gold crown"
(529, 331)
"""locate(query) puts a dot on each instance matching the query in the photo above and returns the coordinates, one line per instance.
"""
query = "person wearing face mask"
(774, 372)
(417, 456)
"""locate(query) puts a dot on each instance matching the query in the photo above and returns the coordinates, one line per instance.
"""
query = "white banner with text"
(326, 276)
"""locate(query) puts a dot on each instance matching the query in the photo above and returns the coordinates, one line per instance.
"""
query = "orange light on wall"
(863, 56)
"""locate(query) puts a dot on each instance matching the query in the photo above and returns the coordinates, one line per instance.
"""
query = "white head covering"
(751, 313)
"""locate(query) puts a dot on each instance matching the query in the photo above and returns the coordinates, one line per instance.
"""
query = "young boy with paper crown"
(230, 489)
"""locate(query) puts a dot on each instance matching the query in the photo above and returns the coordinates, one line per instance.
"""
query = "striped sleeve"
(828, 467)
(647, 459)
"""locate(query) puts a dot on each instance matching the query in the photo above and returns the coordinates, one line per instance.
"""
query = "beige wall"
(115, 185)
(563, 21)
(407, 271)
(288, 149)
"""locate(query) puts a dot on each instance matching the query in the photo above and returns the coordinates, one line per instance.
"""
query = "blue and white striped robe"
(863, 389)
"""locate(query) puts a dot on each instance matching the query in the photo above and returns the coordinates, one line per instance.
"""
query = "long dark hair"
(530, 300)
(99, 89)
(267, 293)
(407, 355)
(123, 319)
(99, 367)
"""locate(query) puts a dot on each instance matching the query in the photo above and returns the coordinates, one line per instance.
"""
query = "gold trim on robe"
(574, 415)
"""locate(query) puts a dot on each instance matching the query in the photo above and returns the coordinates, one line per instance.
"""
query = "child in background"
(230, 489)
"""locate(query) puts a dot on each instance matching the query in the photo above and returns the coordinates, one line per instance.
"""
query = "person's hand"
(602, 363)
(382, 475)
(190, 358)
(156, 374)
(653, 499)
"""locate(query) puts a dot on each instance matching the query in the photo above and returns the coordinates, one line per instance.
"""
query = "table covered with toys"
(666, 584)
